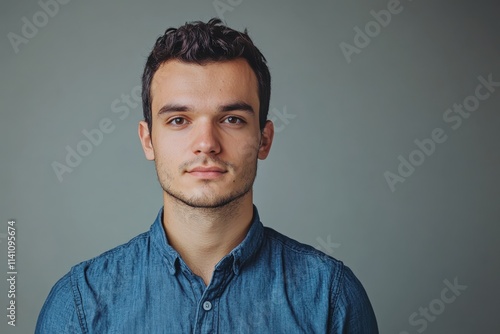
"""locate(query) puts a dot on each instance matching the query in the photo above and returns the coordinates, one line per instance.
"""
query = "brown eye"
(177, 121)
(234, 120)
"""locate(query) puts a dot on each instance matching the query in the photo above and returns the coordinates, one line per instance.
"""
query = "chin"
(207, 199)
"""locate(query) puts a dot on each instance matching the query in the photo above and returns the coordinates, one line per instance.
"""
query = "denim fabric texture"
(269, 283)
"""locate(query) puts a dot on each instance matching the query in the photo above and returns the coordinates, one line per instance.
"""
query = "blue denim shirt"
(269, 283)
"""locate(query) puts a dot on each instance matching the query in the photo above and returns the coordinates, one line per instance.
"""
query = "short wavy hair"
(199, 42)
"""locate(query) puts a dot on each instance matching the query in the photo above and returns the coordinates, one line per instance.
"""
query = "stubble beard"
(207, 201)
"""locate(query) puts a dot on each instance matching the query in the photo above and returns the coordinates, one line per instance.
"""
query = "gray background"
(323, 183)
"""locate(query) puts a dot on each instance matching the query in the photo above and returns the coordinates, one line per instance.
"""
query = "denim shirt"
(269, 283)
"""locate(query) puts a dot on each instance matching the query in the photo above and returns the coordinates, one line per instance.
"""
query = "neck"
(203, 236)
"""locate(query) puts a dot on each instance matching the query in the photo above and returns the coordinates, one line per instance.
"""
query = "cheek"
(245, 158)
(164, 142)
(248, 151)
(167, 153)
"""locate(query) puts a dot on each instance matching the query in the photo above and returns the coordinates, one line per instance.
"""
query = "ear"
(146, 140)
(266, 140)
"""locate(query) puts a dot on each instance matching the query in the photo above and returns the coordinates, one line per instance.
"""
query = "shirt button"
(207, 306)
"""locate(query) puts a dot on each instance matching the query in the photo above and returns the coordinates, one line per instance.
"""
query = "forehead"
(209, 83)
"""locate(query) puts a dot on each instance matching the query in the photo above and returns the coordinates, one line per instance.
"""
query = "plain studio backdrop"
(386, 154)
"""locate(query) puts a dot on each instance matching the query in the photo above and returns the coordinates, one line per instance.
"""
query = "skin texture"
(206, 116)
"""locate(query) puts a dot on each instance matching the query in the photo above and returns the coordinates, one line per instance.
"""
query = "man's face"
(205, 138)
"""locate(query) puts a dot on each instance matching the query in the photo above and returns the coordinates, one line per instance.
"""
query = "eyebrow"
(172, 107)
(237, 106)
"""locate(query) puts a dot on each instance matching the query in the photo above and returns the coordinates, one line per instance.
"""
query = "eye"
(234, 120)
(177, 121)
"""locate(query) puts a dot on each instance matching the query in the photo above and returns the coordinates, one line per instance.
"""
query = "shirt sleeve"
(352, 310)
(58, 314)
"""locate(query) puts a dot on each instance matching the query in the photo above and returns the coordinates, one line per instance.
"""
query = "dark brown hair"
(199, 42)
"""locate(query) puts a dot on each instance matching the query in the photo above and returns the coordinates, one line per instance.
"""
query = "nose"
(206, 139)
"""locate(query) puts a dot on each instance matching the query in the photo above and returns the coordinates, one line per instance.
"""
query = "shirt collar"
(240, 254)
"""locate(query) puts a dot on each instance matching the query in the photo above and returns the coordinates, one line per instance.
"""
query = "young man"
(207, 265)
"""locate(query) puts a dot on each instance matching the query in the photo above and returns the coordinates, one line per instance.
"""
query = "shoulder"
(352, 311)
(303, 265)
(279, 242)
(122, 255)
(319, 274)
(110, 271)
(59, 314)
(62, 310)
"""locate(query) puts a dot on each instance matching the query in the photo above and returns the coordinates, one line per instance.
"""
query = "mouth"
(207, 172)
